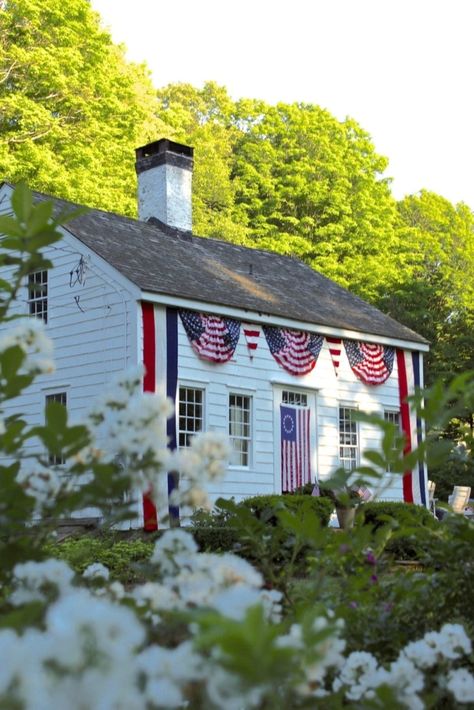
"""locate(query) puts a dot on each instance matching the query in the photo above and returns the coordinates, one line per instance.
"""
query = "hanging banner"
(335, 349)
(295, 350)
(415, 481)
(371, 363)
(252, 334)
(212, 338)
(295, 447)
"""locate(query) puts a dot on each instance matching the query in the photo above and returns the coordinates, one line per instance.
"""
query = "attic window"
(38, 294)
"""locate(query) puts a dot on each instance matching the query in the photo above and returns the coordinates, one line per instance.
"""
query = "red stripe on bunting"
(335, 349)
(150, 518)
(405, 419)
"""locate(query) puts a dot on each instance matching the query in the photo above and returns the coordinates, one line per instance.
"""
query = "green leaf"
(22, 202)
(9, 226)
(56, 417)
(40, 217)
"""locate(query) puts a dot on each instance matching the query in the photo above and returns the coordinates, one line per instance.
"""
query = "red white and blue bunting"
(371, 363)
(295, 350)
(415, 482)
(212, 338)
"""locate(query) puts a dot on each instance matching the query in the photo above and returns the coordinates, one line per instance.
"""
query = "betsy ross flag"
(211, 337)
(295, 448)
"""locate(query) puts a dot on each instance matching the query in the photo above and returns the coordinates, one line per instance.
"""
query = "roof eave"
(270, 319)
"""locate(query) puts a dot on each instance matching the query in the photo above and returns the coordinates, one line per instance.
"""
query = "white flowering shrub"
(204, 630)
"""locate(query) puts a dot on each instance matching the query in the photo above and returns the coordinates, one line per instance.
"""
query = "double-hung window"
(240, 429)
(348, 438)
(190, 414)
(38, 294)
(61, 398)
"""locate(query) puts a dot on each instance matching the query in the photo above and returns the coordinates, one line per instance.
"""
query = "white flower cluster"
(224, 582)
(132, 422)
(204, 460)
(93, 652)
(133, 425)
(34, 580)
(31, 337)
(361, 675)
(317, 657)
(40, 482)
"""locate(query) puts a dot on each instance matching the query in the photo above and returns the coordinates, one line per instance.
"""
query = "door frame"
(311, 393)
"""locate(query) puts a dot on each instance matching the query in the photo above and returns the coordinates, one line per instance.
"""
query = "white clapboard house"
(250, 343)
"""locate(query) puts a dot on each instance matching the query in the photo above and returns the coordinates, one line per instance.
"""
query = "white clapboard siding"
(258, 378)
(93, 326)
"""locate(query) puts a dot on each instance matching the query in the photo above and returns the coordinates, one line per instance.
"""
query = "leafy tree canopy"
(72, 109)
(290, 177)
(298, 181)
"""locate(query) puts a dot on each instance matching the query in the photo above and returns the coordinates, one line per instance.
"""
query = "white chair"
(459, 498)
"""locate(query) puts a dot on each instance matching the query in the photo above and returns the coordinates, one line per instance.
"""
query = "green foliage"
(378, 513)
(72, 109)
(216, 539)
(436, 296)
(267, 507)
(456, 471)
(32, 227)
(122, 557)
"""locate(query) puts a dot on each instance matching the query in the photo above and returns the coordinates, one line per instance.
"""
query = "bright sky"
(402, 68)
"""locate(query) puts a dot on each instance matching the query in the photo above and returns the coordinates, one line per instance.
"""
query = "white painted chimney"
(164, 171)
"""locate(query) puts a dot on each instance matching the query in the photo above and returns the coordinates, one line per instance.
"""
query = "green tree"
(436, 296)
(291, 178)
(72, 109)
(204, 118)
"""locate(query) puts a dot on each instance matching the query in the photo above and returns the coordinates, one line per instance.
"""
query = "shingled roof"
(167, 261)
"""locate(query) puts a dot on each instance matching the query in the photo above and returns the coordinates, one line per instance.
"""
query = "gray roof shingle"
(167, 261)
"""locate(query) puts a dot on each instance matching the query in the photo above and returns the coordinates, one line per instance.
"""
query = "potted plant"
(346, 500)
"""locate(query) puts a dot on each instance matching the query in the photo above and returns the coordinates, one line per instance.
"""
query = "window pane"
(240, 429)
(348, 439)
(38, 294)
(190, 408)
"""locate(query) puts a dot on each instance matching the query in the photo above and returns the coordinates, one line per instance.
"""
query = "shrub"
(412, 527)
(122, 557)
(266, 507)
(216, 539)
(378, 513)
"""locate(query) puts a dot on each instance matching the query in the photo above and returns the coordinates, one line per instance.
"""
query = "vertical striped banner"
(171, 386)
(295, 447)
(150, 519)
(409, 374)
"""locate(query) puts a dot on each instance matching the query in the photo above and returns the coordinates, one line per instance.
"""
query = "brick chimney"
(164, 171)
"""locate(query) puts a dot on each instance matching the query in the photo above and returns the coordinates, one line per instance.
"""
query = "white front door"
(295, 438)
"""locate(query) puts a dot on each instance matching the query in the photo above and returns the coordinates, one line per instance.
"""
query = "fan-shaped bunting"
(371, 363)
(295, 350)
(211, 337)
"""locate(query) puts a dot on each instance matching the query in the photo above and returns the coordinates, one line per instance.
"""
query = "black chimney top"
(161, 152)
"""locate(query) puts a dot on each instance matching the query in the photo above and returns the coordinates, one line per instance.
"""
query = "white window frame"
(288, 394)
(188, 433)
(247, 450)
(61, 397)
(352, 460)
(37, 286)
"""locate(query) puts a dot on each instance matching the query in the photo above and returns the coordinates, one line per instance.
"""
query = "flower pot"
(345, 517)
